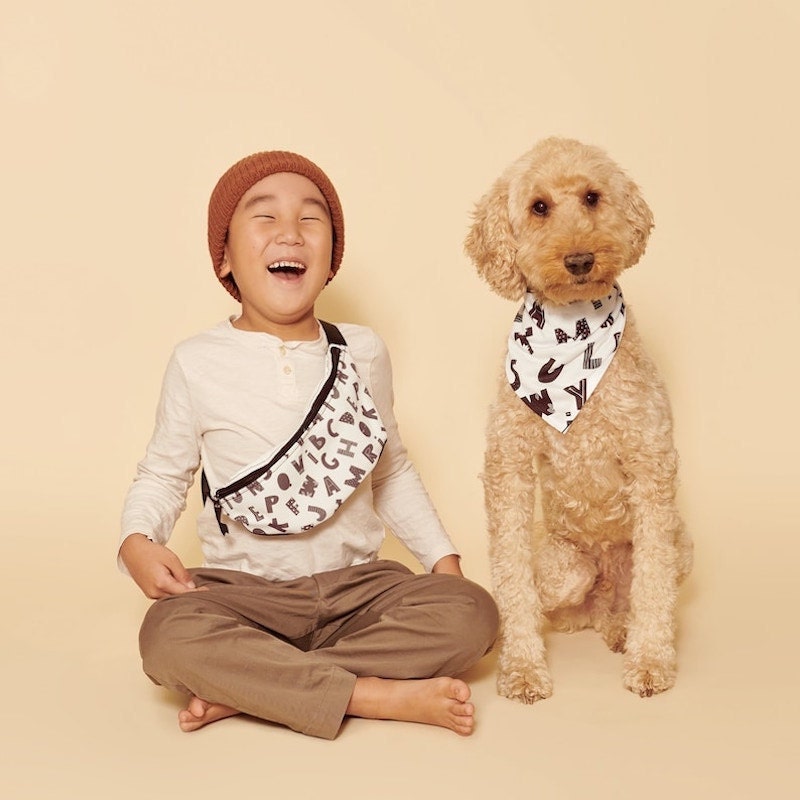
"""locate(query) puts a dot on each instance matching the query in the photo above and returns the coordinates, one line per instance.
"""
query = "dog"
(592, 428)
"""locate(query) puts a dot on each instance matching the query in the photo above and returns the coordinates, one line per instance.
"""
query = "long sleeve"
(157, 496)
(399, 496)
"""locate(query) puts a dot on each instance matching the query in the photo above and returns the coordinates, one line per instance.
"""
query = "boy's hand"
(156, 569)
(448, 565)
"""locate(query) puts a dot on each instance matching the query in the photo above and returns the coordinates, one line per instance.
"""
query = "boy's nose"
(289, 233)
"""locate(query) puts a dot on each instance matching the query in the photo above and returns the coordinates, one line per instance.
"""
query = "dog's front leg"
(650, 659)
(509, 485)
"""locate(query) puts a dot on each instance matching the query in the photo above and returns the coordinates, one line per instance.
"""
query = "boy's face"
(278, 250)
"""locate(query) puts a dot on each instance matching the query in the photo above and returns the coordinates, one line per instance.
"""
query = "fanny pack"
(304, 481)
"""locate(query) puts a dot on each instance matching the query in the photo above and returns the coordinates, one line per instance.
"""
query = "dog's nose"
(579, 263)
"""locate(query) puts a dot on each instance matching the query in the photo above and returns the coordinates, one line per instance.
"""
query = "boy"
(300, 624)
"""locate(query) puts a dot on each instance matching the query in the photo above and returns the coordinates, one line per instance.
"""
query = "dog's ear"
(491, 245)
(640, 219)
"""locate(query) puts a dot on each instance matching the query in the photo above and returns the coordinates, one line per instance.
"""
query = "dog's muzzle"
(579, 263)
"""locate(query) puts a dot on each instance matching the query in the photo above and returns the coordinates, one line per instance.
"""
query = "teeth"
(287, 266)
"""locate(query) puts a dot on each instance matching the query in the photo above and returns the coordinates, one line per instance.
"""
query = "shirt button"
(283, 350)
(287, 370)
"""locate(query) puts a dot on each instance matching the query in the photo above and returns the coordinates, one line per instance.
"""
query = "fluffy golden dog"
(558, 228)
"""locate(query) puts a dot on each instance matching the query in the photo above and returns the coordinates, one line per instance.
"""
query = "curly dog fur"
(610, 549)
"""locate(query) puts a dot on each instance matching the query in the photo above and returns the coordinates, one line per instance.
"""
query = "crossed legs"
(373, 640)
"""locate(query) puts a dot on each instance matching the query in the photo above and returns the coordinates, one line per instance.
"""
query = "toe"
(464, 710)
(460, 691)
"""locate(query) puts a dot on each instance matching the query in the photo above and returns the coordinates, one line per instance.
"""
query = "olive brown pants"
(290, 651)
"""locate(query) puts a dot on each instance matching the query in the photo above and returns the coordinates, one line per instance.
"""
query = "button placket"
(286, 370)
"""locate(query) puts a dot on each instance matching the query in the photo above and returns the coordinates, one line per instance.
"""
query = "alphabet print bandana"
(304, 481)
(557, 355)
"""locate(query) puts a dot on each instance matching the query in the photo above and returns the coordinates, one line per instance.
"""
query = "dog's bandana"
(558, 354)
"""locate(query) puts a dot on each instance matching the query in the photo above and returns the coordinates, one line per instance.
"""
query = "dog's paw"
(649, 679)
(526, 687)
(615, 637)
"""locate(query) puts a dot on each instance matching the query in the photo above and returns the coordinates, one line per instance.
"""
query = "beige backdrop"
(117, 118)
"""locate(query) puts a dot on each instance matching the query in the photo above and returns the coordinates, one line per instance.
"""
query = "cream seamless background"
(117, 120)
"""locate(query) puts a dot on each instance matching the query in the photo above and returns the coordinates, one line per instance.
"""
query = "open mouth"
(289, 268)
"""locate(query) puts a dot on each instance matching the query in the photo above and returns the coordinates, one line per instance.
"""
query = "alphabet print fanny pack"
(304, 481)
(557, 355)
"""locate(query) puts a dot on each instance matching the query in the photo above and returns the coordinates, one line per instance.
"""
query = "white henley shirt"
(230, 397)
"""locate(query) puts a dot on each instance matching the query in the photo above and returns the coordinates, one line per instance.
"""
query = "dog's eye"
(539, 208)
(591, 199)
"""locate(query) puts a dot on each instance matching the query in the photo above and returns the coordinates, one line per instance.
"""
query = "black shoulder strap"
(333, 333)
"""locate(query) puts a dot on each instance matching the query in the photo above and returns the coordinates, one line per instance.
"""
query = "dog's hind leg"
(609, 599)
(564, 573)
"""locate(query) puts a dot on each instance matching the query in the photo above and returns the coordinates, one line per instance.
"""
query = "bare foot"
(200, 712)
(435, 701)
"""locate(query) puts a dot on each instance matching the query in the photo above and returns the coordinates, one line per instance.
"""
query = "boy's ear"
(225, 266)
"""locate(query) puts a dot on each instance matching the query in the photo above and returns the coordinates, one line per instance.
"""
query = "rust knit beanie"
(249, 171)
